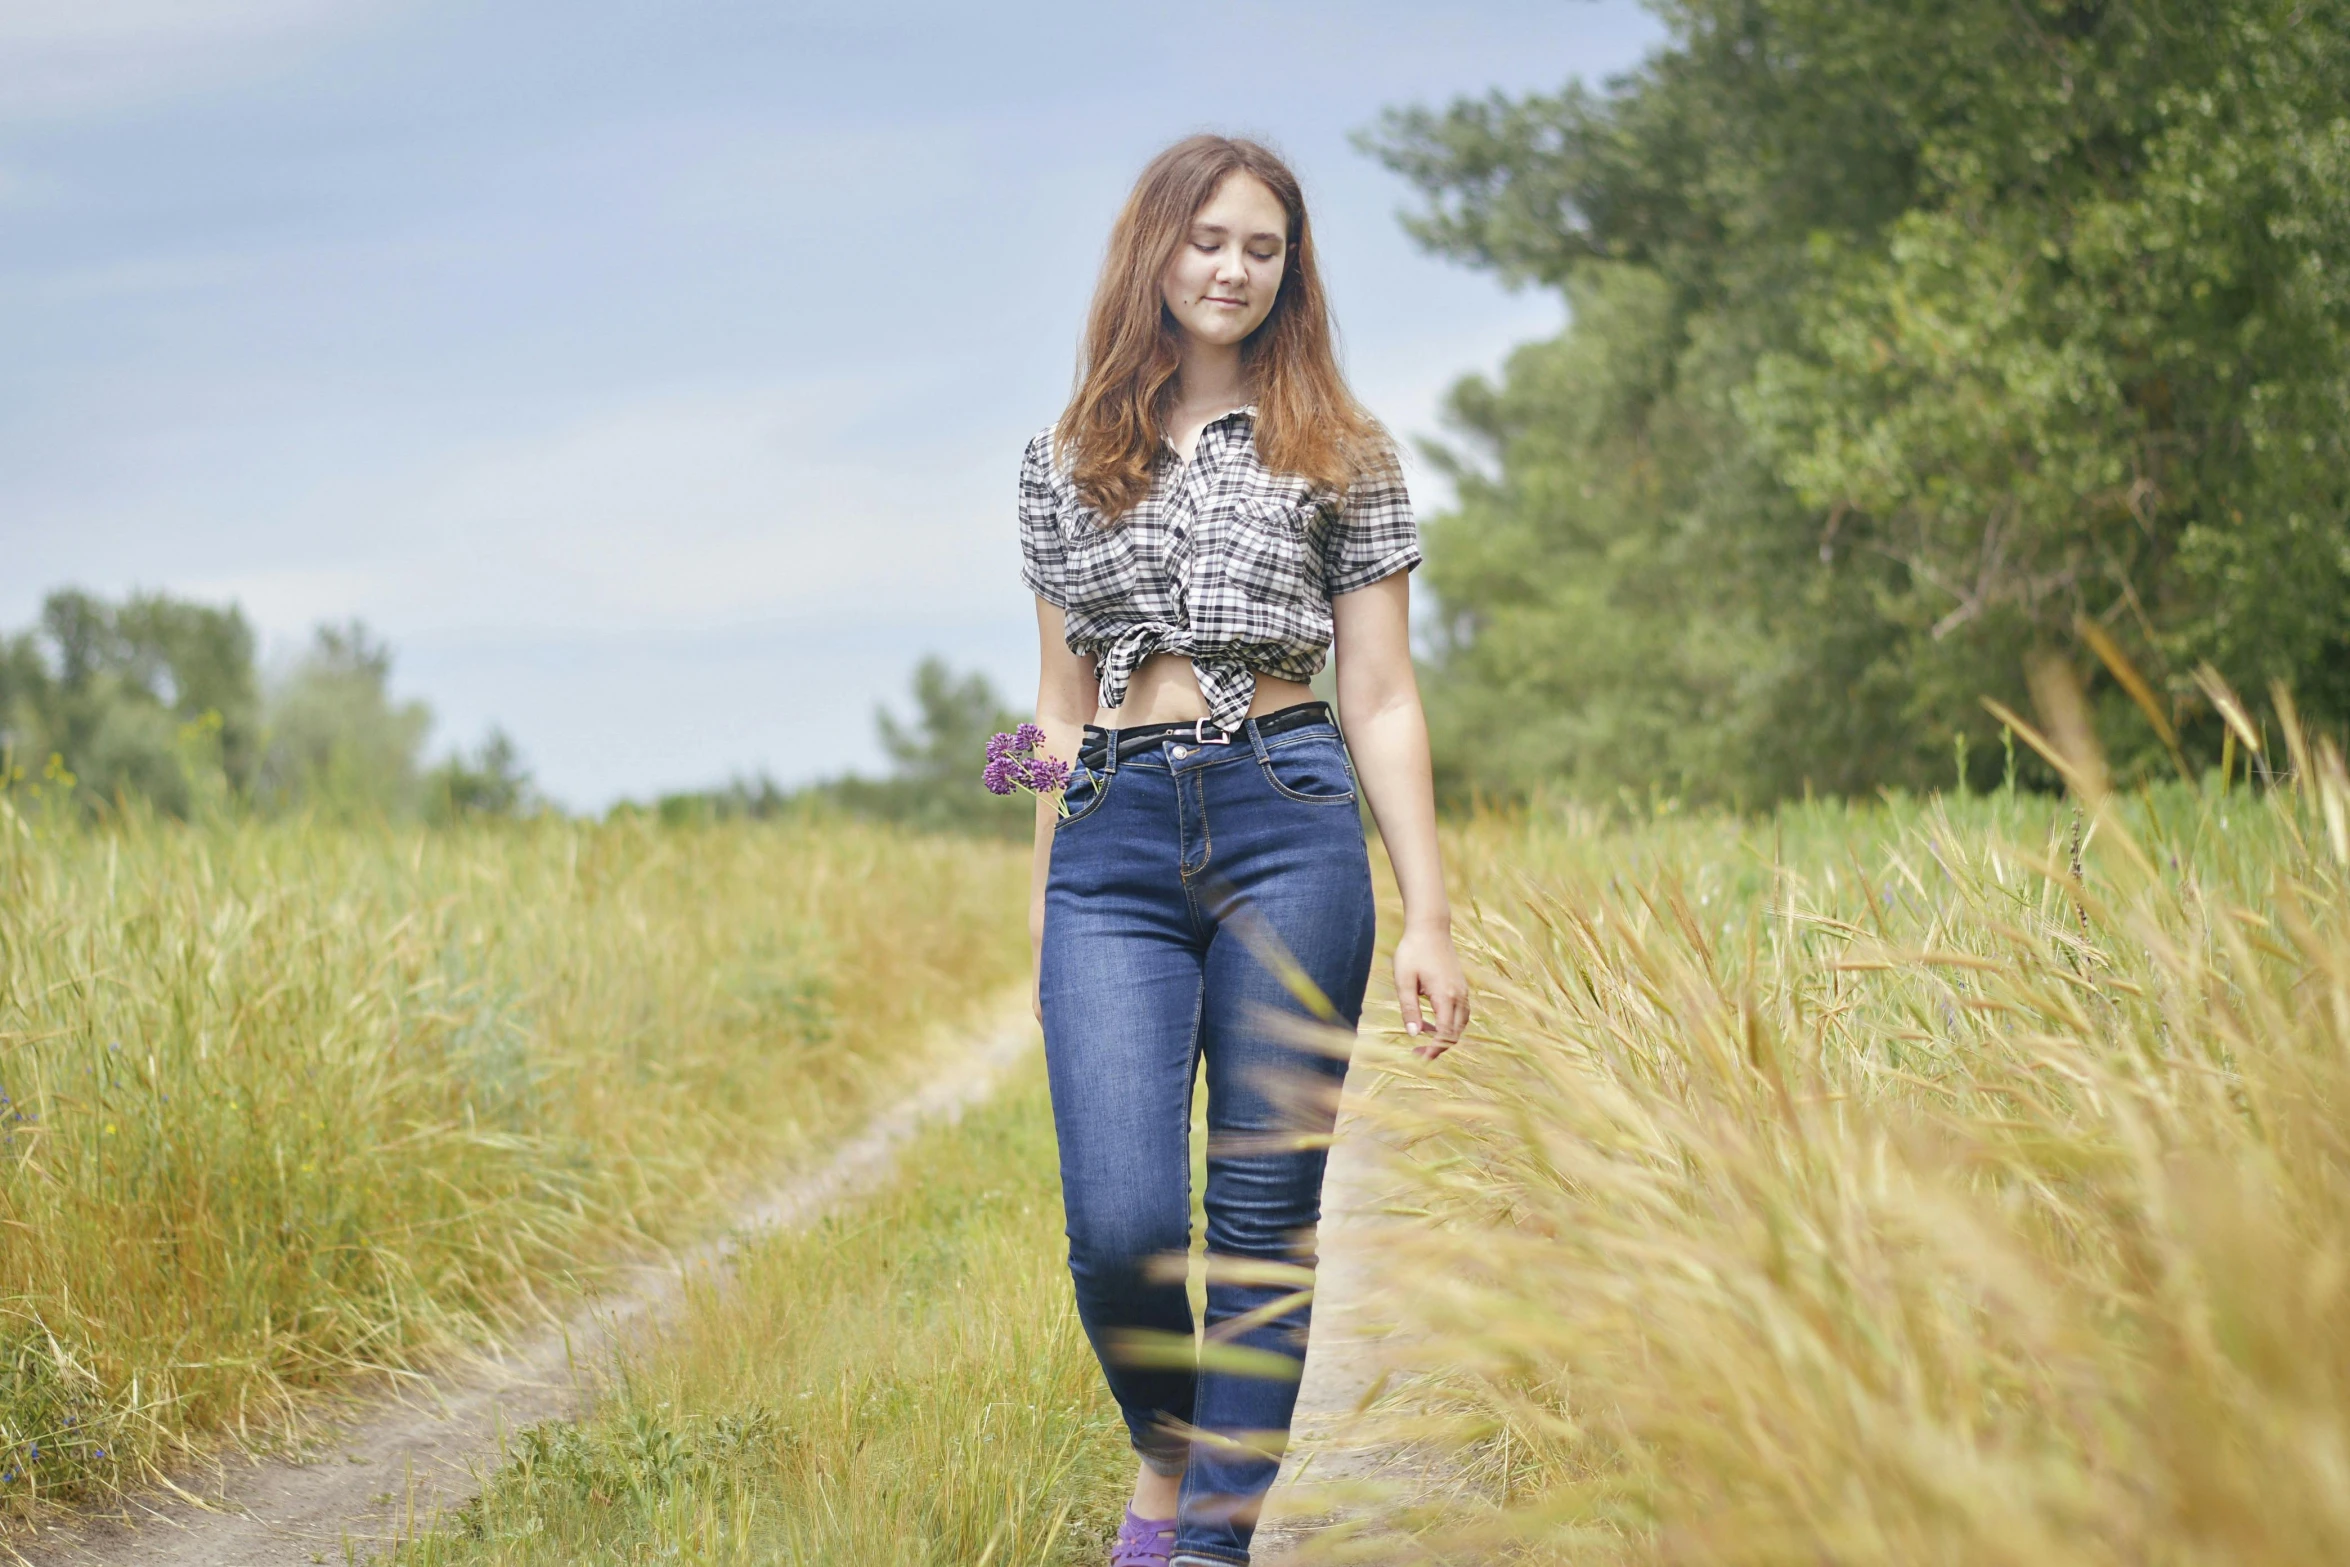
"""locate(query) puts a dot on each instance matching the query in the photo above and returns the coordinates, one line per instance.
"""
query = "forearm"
(1389, 743)
(1040, 867)
(1379, 708)
(1062, 733)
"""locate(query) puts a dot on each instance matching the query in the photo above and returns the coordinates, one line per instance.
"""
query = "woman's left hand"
(1428, 977)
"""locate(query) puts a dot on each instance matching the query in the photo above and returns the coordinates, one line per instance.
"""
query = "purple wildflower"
(1010, 766)
(1044, 774)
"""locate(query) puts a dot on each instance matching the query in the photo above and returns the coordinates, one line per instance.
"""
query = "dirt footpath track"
(1332, 1462)
(386, 1472)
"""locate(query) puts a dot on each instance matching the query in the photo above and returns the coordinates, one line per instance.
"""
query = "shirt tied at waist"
(1228, 686)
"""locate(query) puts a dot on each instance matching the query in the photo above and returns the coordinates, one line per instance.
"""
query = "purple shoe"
(1143, 1542)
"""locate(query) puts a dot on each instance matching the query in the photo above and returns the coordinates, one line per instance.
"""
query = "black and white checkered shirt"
(1224, 560)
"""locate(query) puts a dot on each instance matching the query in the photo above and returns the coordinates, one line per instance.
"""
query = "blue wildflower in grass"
(1012, 766)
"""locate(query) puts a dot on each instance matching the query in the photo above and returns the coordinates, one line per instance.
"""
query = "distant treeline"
(933, 782)
(1910, 338)
(158, 703)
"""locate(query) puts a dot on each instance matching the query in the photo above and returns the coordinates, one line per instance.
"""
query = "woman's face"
(1221, 284)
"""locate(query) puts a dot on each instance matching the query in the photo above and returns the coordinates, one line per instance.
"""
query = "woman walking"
(1210, 514)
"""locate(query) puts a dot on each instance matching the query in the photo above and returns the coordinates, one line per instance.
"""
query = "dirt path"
(387, 1471)
(1328, 1464)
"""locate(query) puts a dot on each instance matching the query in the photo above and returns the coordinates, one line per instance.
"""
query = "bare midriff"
(1165, 691)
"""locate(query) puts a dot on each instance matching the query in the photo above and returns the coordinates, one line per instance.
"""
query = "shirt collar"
(1245, 410)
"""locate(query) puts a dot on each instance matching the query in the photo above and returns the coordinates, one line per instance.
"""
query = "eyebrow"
(1218, 228)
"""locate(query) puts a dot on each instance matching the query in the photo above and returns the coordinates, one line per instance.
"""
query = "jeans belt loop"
(1110, 755)
(1256, 739)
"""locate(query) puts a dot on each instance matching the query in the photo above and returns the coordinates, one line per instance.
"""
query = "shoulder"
(1036, 466)
(1372, 456)
(1376, 476)
(1047, 494)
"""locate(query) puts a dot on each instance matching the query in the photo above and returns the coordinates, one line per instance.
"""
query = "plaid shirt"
(1223, 560)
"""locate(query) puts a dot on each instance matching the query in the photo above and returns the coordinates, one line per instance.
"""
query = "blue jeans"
(1180, 876)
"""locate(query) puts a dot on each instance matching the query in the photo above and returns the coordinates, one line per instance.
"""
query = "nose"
(1229, 268)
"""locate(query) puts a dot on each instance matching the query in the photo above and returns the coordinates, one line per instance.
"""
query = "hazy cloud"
(678, 511)
(67, 57)
(653, 377)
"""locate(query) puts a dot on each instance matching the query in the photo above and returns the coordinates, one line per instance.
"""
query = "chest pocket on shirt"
(1266, 545)
(1097, 564)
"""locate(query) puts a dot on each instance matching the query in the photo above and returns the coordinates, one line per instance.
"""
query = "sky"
(651, 376)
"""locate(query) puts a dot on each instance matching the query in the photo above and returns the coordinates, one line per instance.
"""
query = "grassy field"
(904, 1383)
(281, 1104)
(1863, 1185)
(1948, 1181)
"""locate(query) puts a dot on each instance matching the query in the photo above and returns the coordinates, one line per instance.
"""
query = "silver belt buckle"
(1199, 734)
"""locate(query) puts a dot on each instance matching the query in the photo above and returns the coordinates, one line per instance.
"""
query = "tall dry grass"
(284, 1103)
(902, 1383)
(1866, 1186)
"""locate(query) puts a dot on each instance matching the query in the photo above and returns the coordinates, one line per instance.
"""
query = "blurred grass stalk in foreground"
(284, 1103)
(1866, 1186)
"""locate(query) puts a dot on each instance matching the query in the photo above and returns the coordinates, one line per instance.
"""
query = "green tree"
(1905, 337)
(936, 756)
(933, 784)
(491, 782)
(116, 689)
(338, 743)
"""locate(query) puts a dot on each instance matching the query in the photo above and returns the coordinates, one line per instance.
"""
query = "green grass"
(1925, 1181)
(287, 1103)
(902, 1384)
(1858, 1185)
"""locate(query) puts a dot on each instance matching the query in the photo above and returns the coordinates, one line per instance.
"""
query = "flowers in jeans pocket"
(1025, 738)
(1012, 765)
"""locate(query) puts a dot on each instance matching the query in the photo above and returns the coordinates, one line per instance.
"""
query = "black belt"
(1200, 731)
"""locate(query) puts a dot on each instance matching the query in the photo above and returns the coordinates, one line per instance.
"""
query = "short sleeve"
(1040, 526)
(1373, 535)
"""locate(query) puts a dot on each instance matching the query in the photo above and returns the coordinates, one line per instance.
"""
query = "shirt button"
(1182, 751)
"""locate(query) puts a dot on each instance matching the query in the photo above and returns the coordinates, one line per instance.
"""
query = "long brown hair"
(1308, 423)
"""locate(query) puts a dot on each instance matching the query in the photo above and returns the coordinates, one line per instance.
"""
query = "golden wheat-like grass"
(902, 1383)
(1964, 1181)
(288, 1102)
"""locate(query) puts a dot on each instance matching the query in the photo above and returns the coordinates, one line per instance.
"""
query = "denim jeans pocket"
(1312, 768)
(1087, 789)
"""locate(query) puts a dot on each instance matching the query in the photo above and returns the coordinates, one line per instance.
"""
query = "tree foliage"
(1905, 338)
(935, 758)
(159, 701)
(133, 698)
(490, 781)
(933, 780)
(339, 743)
